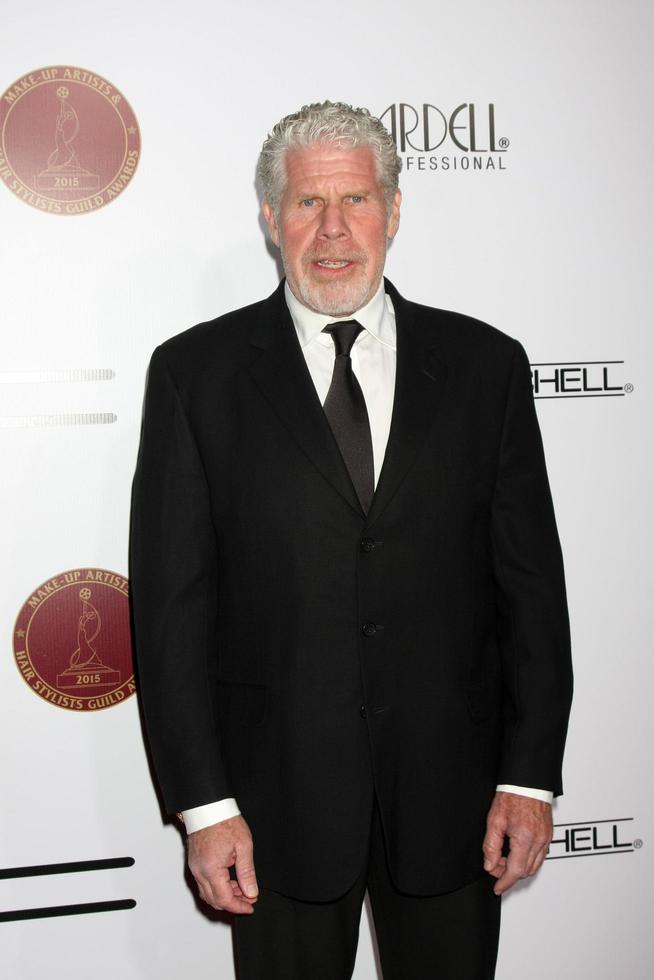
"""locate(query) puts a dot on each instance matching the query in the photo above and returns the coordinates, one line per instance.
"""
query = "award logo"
(69, 140)
(72, 640)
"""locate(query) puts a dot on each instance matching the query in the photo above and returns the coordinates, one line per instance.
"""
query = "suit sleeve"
(174, 581)
(531, 598)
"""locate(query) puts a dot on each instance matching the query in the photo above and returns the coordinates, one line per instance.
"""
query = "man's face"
(332, 227)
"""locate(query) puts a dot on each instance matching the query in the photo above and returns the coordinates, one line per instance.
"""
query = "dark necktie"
(346, 412)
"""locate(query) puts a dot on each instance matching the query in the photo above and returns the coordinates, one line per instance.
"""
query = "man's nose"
(333, 223)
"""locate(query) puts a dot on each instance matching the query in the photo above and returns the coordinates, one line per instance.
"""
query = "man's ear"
(394, 216)
(269, 215)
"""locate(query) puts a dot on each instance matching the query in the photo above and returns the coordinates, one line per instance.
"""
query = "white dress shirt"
(373, 362)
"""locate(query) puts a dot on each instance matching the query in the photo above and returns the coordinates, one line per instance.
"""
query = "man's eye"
(308, 202)
(356, 198)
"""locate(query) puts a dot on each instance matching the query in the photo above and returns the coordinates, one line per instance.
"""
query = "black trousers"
(441, 937)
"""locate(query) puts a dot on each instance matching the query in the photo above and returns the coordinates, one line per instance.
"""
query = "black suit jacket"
(300, 656)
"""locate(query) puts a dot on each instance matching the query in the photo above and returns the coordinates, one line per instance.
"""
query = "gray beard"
(338, 300)
(343, 302)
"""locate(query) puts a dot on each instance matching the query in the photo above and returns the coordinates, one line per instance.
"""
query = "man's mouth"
(333, 263)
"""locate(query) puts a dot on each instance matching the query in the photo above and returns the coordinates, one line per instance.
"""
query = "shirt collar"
(376, 317)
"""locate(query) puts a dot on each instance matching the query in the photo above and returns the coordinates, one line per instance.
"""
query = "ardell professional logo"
(466, 136)
(579, 379)
(70, 142)
(72, 640)
(595, 837)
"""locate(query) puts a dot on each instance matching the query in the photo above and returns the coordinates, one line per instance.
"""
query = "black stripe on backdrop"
(569, 363)
(84, 908)
(67, 867)
(591, 823)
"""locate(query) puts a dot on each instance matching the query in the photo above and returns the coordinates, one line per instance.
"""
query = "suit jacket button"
(368, 629)
(367, 544)
(362, 711)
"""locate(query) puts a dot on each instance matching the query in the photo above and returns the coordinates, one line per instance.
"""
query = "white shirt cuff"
(537, 794)
(199, 817)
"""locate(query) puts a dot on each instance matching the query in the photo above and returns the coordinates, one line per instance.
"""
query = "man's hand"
(528, 825)
(211, 853)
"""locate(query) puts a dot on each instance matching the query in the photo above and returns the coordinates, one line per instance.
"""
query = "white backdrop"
(555, 249)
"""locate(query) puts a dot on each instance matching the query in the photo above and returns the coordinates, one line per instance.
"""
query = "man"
(349, 600)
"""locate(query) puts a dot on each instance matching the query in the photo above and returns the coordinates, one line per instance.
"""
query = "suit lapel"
(282, 375)
(419, 383)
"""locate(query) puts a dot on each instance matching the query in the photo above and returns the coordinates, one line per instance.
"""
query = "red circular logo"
(72, 640)
(70, 142)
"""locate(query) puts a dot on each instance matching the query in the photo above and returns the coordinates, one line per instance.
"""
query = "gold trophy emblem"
(86, 668)
(63, 170)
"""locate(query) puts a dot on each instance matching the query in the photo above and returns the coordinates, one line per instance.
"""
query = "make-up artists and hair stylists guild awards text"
(69, 140)
(72, 640)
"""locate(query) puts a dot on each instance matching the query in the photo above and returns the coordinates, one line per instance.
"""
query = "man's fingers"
(211, 852)
(498, 870)
(492, 847)
(516, 867)
(201, 892)
(527, 822)
(245, 873)
(525, 858)
(536, 857)
(220, 894)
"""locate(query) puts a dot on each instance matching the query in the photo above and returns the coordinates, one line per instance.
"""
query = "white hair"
(327, 122)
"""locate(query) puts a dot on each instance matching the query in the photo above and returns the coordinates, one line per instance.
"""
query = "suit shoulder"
(224, 334)
(463, 334)
(209, 353)
(462, 327)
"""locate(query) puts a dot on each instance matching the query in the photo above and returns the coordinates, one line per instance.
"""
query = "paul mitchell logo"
(579, 379)
(593, 837)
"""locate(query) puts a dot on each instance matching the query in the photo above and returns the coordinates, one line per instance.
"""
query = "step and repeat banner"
(128, 209)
